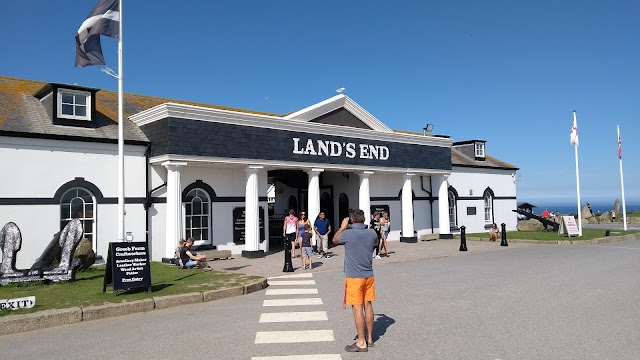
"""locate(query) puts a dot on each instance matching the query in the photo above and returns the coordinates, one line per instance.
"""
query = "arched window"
(488, 206)
(79, 203)
(452, 209)
(197, 216)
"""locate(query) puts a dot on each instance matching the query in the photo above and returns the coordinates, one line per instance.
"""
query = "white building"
(226, 176)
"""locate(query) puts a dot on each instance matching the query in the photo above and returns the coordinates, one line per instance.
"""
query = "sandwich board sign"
(568, 225)
(127, 266)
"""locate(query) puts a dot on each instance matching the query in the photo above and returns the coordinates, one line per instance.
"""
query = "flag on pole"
(619, 146)
(574, 133)
(104, 20)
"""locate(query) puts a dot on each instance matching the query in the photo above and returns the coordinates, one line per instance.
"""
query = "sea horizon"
(568, 208)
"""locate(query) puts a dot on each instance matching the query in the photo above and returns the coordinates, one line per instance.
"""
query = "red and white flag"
(619, 146)
(574, 133)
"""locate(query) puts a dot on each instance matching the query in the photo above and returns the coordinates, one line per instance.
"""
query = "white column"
(252, 217)
(364, 196)
(313, 195)
(443, 205)
(174, 206)
(407, 207)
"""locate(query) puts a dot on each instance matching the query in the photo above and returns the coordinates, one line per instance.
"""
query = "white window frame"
(188, 217)
(93, 238)
(453, 222)
(488, 208)
(479, 149)
(75, 93)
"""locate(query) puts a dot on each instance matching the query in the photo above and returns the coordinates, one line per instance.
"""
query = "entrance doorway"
(343, 207)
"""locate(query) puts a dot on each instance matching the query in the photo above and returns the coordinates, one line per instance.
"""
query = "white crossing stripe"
(301, 357)
(293, 316)
(281, 337)
(291, 291)
(292, 276)
(291, 282)
(293, 302)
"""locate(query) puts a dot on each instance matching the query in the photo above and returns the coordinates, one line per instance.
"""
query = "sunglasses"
(302, 214)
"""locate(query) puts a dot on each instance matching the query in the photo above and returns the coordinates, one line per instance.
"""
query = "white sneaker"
(378, 257)
(319, 256)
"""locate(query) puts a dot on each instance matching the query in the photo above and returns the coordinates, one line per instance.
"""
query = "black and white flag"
(103, 20)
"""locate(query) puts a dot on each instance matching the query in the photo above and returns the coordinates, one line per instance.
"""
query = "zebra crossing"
(287, 285)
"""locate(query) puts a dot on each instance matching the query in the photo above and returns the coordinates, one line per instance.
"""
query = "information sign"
(127, 266)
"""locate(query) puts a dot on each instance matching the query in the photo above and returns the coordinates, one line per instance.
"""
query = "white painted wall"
(472, 182)
(36, 168)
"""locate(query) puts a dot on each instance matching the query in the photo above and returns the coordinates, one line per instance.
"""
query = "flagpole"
(624, 208)
(120, 135)
(575, 146)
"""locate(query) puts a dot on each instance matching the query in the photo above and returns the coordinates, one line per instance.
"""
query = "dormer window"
(480, 150)
(74, 104)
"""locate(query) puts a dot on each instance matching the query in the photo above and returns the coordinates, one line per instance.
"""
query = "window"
(197, 216)
(488, 208)
(79, 203)
(73, 104)
(479, 149)
(452, 209)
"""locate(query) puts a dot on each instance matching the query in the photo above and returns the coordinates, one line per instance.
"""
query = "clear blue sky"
(508, 72)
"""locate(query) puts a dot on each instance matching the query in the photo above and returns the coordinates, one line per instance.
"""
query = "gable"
(341, 117)
(322, 113)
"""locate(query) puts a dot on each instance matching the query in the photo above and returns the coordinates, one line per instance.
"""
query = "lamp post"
(427, 129)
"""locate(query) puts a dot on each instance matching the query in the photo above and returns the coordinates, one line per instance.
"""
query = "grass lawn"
(87, 289)
(587, 234)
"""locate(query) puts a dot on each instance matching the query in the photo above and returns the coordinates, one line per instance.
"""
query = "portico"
(228, 155)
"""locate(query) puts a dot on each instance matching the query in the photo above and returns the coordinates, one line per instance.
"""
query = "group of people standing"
(299, 232)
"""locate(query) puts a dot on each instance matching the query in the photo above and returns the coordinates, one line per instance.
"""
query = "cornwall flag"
(103, 20)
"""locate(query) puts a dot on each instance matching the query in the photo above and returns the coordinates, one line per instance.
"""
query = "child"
(307, 250)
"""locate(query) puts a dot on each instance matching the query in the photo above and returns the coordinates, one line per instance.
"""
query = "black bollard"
(287, 255)
(463, 238)
(504, 235)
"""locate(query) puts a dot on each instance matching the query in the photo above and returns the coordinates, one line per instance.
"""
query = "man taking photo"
(359, 285)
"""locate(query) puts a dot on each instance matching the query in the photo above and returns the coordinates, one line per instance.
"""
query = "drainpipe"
(148, 200)
(431, 199)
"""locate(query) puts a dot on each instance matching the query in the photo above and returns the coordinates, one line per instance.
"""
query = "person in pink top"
(290, 229)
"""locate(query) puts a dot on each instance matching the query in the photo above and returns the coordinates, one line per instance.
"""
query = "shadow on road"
(380, 325)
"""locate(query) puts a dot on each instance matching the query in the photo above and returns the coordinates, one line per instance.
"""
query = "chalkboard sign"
(238, 224)
(127, 266)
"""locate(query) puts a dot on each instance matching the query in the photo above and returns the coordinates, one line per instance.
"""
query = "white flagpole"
(120, 135)
(575, 146)
(624, 208)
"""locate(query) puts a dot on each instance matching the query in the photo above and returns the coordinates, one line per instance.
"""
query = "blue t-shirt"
(306, 239)
(322, 225)
(359, 242)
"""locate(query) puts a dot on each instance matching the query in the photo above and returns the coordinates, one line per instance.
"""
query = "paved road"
(520, 302)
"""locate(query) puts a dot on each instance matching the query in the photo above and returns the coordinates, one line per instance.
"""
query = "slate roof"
(458, 158)
(23, 115)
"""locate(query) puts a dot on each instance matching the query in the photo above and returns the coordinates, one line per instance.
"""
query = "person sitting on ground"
(305, 244)
(190, 259)
(176, 256)
(494, 232)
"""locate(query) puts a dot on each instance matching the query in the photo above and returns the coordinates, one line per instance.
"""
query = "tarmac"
(269, 266)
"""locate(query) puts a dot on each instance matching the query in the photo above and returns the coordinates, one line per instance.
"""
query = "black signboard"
(127, 266)
(471, 210)
(381, 209)
(238, 224)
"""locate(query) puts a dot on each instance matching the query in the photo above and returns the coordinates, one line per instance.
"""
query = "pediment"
(339, 110)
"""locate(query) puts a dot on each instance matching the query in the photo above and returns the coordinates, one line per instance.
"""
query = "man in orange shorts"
(359, 286)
